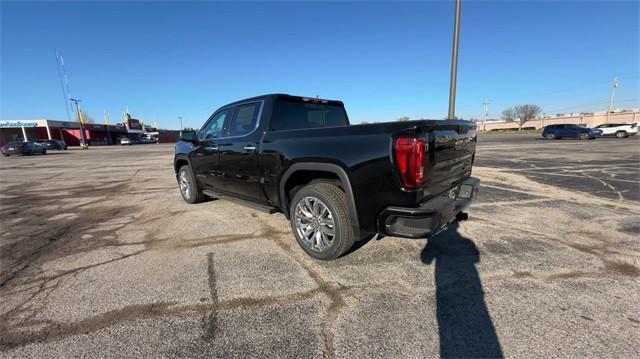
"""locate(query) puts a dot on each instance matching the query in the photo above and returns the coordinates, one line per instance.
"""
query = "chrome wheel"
(185, 185)
(314, 224)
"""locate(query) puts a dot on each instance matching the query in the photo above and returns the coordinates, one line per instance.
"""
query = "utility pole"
(614, 85)
(83, 141)
(106, 126)
(454, 63)
(486, 114)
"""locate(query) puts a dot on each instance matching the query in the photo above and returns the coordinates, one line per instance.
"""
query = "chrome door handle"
(211, 148)
(249, 148)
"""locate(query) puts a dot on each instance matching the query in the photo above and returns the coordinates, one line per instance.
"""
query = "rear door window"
(244, 119)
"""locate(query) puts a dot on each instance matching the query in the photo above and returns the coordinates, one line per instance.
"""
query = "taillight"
(409, 156)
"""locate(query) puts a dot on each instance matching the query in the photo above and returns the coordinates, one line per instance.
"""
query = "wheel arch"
(180, 161)
(310, 171)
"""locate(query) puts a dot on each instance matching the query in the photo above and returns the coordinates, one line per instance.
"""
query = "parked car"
(126, 141)
(53, 144)
(619, 130)
(571, 131)
(336, 183)
(23, 148)
(146, 138)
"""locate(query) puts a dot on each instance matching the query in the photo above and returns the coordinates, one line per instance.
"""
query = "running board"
(260, 207)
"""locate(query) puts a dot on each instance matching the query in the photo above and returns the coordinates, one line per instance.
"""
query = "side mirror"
(188, 136)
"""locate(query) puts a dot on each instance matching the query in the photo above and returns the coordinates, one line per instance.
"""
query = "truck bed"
(365, 151)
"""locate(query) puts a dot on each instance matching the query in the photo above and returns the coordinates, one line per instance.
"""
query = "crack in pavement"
(490, 175)
(210, 322)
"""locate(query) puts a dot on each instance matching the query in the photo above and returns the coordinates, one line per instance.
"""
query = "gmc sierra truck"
(336, 183)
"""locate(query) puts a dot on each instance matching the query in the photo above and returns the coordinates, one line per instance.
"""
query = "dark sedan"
(53, 144)
(23, 148)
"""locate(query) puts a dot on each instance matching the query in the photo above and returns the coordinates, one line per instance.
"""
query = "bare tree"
(85, 117)
(521, 114)
(403, 119)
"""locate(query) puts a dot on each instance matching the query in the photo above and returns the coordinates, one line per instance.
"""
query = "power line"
(587, 105)
(60, 67)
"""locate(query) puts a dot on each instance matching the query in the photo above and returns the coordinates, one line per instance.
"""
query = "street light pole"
(614, 85)
(486, 114)
(181, 127)
(454, 63)
(83, 143)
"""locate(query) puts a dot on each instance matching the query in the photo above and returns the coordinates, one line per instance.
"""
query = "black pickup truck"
(335, 182)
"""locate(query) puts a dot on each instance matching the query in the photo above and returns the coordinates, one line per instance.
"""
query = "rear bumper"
(431, 216)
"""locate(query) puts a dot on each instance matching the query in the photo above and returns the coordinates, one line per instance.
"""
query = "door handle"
(211, 148)
(249, 148)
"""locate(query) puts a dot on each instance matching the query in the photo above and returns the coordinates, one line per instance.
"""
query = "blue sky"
(383, 59)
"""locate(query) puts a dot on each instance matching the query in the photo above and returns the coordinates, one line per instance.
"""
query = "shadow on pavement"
(464, 324)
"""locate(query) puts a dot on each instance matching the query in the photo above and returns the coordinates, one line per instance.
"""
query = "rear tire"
(189, 189)
(320, 221)
(622, 134)
(550, 136)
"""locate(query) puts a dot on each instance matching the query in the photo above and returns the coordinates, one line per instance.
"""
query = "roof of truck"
(262, 97)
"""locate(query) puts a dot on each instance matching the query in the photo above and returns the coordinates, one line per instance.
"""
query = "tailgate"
(451, 151)
(448, 149)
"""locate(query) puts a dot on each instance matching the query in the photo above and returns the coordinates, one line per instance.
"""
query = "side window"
(244, 119)
(213, 128)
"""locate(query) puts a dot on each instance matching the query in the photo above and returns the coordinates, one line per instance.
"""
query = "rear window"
(291, 114)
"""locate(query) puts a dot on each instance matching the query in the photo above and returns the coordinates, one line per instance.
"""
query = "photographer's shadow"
(464, 323)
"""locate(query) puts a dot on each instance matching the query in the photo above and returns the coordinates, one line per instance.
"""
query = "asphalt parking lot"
(101, 257)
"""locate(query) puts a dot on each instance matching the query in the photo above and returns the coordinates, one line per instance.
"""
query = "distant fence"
(586, 120)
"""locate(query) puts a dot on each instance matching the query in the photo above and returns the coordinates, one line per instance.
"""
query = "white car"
(125, 141)
(619, 130)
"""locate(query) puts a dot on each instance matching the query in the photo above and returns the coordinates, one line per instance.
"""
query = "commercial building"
(69, 132)
(585, 119)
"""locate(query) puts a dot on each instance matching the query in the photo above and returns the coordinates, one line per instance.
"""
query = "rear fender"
(326, 167)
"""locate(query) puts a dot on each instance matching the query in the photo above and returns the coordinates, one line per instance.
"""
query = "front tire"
(584, 136)
(621, 134)
(320, 221)
(188, 186)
